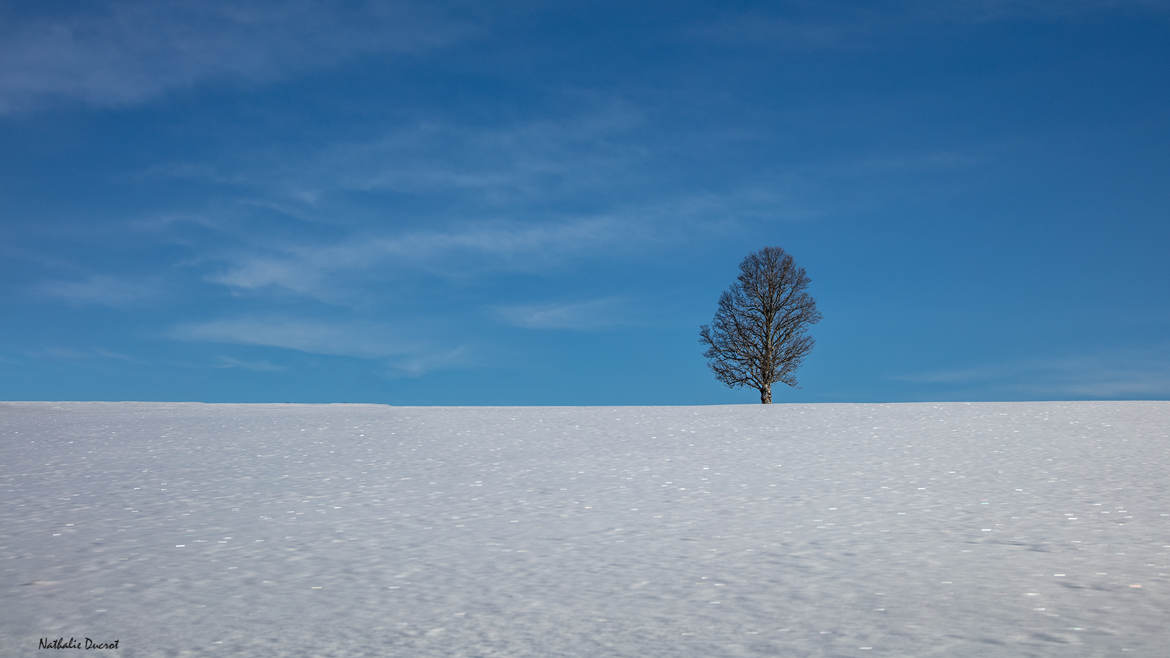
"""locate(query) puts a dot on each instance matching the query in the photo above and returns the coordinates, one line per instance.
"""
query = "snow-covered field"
(1024, 529)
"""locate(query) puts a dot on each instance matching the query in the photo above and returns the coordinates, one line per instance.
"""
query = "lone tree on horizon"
(758, 335)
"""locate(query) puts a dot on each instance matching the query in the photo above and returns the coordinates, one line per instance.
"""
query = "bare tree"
(758, 335)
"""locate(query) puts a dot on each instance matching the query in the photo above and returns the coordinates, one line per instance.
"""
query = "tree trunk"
(766, 395)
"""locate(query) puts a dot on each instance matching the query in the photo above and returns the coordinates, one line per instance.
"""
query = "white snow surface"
(993, 529)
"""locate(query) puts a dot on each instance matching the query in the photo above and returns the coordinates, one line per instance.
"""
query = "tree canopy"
(759, 334)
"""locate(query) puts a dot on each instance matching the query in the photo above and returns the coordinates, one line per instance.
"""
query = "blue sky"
(532, 204)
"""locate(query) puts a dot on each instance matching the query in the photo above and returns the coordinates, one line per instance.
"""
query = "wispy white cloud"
(754, 28)
(907, 162)
(259, 271)
(356, 339)
(983, 11)
(101, 289)
(417, 365)
(73, 354)
(1122, 383)
(165, 221)
(258, 366)
(119, 53)
(1109, 374)
(836, 25)
(579, 150)
(583, 315)
(314, 270)
(587, 147)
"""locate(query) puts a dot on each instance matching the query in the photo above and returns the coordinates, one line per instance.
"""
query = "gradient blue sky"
(532, 204)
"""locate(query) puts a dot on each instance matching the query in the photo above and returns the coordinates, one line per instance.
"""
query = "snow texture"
(1015, 529)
